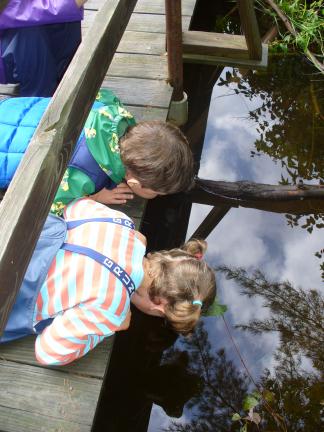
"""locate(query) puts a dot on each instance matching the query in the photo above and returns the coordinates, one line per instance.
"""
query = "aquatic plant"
(301, 27)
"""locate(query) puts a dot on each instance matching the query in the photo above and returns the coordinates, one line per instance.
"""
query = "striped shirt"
(87, 302)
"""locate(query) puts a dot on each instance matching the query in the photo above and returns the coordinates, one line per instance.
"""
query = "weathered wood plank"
(218, 44)
(149, 6)
(23, 421)
(155, 93)
(138, 66)
(138, 22)
(92, 365)
(142, 43)
(148, 113)
(46, 393)
(226, 61)
(38, 176)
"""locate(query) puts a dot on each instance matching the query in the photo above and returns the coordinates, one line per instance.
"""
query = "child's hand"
(119, 195)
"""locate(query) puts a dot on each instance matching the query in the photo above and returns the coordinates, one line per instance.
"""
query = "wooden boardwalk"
(35, 398)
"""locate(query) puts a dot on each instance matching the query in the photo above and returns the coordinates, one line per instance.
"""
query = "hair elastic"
(197, 302)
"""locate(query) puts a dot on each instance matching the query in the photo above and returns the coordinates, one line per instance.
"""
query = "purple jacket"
(28, 13)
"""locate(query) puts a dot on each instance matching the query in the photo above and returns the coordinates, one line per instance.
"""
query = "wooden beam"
(31, 192)
(212, 219)
(300, 199)
(9, 89)
(227, 61)
(250, 28)
(215, 44)
(173, 19)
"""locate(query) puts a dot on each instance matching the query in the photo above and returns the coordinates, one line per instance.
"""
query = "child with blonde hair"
(87, 269)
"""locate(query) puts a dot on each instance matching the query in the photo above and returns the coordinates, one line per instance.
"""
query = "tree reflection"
(223, 385)
(292, 393)
(290, 123)
(290, 115)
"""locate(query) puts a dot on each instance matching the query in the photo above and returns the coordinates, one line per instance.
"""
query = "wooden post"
(250, 28)
(212, 219)
(174, 46)
(31, 192)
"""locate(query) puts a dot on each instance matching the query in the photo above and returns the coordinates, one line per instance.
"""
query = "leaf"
(244, 428)
(249, 402)
(236, 417)
(256, 418)
(268, 395)
(216, 309)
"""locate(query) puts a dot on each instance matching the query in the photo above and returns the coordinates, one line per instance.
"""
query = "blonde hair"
(179, 279)
(158, 156)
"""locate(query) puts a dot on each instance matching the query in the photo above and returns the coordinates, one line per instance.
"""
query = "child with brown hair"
(114, 157)
(87, 269)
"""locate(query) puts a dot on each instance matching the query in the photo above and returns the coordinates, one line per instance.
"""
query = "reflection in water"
(265, 128)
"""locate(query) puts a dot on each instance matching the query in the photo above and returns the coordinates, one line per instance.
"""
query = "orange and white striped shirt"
(86, 300)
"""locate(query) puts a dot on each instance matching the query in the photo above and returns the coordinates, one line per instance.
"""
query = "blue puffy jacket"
(19, 118)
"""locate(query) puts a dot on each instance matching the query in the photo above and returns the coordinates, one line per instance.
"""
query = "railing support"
(32, 190)
(250, 28)
(211, 220)
(174, 46)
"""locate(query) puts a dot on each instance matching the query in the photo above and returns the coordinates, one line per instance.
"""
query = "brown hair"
(158, 156)
(180, 278)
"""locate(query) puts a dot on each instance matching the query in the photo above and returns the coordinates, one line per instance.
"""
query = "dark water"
(268, 128)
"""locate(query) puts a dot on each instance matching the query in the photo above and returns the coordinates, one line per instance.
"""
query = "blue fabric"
(19, 117)
(119, 221)
(37, 57)
(107, 262)
(83, 160)
(20, 322)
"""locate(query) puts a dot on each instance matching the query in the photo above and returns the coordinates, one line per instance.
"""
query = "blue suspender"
(117, 270)
(125, 222)
(111, 265)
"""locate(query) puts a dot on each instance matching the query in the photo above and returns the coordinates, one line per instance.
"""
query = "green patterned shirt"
(103, 129)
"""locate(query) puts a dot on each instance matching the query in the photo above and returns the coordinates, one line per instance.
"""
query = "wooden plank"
(138, 22)
(250, 28)
(9, 89)
(142, 113)
(148, 6)
(92, 365)
(142, 42)
(144, 92)
(226, 61)
(215, 44)
(39, 173)
(138, 66)
(24, 421)
(45, 393)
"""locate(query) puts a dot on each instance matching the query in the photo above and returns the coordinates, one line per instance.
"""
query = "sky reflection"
(247, 238)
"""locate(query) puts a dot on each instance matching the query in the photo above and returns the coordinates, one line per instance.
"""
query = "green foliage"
(306, 19)
(216, 309)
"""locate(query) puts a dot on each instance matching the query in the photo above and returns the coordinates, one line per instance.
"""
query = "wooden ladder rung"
(215, 44)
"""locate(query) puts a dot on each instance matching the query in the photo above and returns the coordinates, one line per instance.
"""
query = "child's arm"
(77, 331)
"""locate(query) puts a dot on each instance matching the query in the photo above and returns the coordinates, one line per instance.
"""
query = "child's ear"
(159, 308)
(133, 182)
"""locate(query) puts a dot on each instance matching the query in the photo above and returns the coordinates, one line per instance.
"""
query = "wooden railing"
(29, 197)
